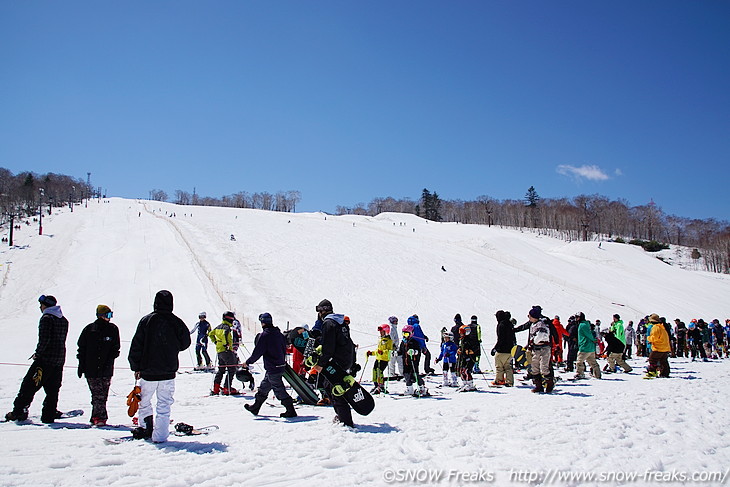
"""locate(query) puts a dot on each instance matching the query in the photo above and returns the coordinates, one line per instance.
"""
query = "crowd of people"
(160, 336)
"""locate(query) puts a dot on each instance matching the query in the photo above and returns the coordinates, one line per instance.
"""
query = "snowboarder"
(540, 343)
(98, 347)
(680, 331)
(502, 350)
(448, 355)
(271, 345)
(222, 338)
(338, 347)
(614, 350)
(46, 371)
(629, 337)
(658, 358)
(153, 357)
(586, 348)
(201, 342)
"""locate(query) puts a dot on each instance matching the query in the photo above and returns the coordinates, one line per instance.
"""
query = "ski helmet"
(385, 328)
(692, 325)
(229, 316)
(464, 330)
(448, 335)
(266, 319)
(413, 320)
(393, 320)
(408, 329)
(202, 315)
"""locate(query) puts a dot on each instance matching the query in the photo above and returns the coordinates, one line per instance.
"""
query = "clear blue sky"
(346, 101)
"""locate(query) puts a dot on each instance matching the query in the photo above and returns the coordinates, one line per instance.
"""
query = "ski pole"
(484, 354)
(367, 358)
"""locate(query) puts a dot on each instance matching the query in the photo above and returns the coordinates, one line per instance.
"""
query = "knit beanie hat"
(102, 310)
(536, 312)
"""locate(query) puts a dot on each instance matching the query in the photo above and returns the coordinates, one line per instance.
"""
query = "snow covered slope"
(120, 252)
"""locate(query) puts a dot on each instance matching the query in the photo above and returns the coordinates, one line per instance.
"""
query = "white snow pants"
(164, 389)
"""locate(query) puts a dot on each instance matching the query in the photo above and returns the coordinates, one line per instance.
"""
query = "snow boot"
(254, 408)
(216, 390)
(537, 380)
(15, 415)
(290, 412)
(145, 433)
(549, 385)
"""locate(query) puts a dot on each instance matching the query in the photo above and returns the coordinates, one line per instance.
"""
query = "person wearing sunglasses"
(98, 348)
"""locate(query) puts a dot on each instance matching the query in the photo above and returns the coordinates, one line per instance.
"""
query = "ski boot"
(216, 390)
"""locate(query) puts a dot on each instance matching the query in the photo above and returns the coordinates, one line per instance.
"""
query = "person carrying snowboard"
(46, 371)
(222, 338)
(382, 357)
(338, 347)
(448, 355)
(410, 350)
(271, 345)
(98, 347)
(201, 343)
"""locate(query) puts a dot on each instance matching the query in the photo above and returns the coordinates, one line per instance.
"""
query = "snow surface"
(121, 252)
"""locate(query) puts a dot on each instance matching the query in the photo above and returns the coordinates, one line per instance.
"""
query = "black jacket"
(505, 334)
(614, 345)
(160, 336)
(271, 345)
(336, 342)
(98, 347)
(52, 332)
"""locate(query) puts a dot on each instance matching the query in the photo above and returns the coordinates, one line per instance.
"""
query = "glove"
(438, 360)
(411, 353)
(80, 372)
(369, 353)
(493, 352)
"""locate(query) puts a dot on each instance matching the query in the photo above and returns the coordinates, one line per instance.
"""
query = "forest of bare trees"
(281, 201)
(584, 217)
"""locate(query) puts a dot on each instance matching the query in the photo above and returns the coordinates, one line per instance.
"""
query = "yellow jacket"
(659, 338)
(385, 346)
(222, 337)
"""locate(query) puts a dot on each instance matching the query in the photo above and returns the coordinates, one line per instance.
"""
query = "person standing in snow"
(680, 331)
(468, 345)
(540, 343)
(46, 371)
(614, 352)
(410, 350)
(448, 355)
(337, 346)
(153, 357)
(557, 350)
(660, 349)
(617, 328)
(98, 348)
(629, 337)
(382, 357)
(395, 366)
(572, 331)
(477, 330)
(422, 339)
(222, 338)
(271, 345)
(586, 348)
(201, 343)
(502, 350)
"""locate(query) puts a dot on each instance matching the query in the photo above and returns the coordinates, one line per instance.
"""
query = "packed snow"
(622, 430)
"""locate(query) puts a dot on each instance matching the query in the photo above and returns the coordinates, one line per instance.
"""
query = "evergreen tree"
(531, 197)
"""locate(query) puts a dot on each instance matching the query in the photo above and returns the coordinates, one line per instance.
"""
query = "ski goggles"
(108, 315)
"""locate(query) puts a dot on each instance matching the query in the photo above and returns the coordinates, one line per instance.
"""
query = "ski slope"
(121, 252)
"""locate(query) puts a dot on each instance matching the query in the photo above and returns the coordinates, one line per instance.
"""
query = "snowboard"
(182, 429)
(519, 354)
(306, 394)
(64, 415)
(343, 384)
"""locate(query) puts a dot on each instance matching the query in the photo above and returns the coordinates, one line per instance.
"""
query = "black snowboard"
(306, 394)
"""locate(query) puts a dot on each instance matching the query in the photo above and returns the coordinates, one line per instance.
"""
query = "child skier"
(382, 358)
(468, 345)
(410, 350)
(448, 354)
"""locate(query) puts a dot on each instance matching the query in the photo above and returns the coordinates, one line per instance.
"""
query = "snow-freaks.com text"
(434, 476)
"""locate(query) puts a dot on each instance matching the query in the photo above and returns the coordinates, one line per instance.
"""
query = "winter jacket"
(271, 345)
(560, 332)
(448, 352)
(52, 331)
(385, 347)
(98, 347)
(541, 334)
(410, 361)
(613, 344)
(505, 336)
(203, 328)
(222, 337)
(419, 335)
(659, 339)
(586, 339)
(159, 338)
(617, 327)
(336, 342)
(629, 335)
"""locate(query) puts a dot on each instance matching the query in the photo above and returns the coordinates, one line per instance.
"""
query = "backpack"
(540, 331)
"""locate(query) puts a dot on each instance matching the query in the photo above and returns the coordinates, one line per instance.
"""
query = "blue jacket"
(271, 345)
(418, 332)
(448, 352)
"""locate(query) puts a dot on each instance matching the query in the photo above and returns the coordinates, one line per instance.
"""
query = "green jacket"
(586, 340)
(222, 337)
(617, 327)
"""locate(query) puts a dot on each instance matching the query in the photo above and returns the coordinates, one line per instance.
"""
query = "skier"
(382, 357)
(457, 325)
(502, 350)
(222, 338)
(719, 337)
(98, 347)
(658, 358)
(271, 345)
(159, 338)
(201, 343)
(396, 362)
(448, 355)
(540, 344)
(694, 336)
(422, 339)
(410, 350)
(586, 348)
(614, 350)
(46, 371)
(468, 345)
(337, 346)
(477, 330)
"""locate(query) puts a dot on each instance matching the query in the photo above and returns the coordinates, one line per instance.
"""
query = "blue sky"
(347, 101)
